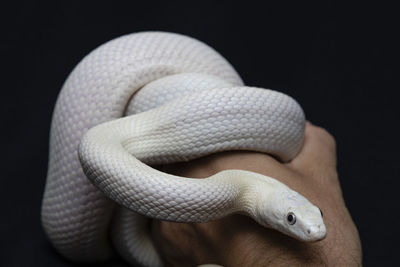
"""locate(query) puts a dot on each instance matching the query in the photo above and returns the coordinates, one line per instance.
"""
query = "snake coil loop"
(151, 98)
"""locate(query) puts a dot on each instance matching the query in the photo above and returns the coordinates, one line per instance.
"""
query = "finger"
(318, 152)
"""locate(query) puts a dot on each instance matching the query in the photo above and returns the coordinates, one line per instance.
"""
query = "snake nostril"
(308, 231)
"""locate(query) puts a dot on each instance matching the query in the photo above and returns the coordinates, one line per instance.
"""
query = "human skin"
(239, 241)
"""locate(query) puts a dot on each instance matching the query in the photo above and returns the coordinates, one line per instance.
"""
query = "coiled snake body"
(188, 102)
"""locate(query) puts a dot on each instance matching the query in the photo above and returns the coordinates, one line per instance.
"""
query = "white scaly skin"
(190, 103)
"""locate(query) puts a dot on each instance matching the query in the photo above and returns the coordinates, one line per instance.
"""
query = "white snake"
(191, 103)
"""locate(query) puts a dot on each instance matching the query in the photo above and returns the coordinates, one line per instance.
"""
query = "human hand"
(239, 241)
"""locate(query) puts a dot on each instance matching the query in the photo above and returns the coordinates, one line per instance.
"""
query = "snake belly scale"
(156, 98)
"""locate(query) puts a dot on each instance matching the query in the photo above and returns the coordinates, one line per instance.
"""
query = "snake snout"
(316, 232)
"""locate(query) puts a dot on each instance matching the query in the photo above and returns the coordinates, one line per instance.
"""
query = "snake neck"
(258, 196)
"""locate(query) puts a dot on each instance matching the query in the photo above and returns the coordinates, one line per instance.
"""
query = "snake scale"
(156, 98)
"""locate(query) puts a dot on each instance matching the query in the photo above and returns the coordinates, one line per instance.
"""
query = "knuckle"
(329, 138)
(325, 135)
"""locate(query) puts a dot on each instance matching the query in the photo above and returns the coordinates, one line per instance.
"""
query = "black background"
(337, 59)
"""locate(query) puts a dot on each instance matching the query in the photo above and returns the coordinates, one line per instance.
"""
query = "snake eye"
(291, 218)
(322, 215)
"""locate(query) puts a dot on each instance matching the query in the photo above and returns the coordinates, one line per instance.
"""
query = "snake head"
(304, 221)
(292, 214)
